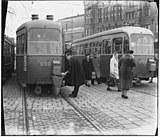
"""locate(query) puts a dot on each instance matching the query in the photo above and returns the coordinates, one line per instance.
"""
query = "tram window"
(17, 46)
(20, 46)
(96, 47)
(45, 35)
(117, 45)
(99, 47)
(126, 44)
(142, 44)
(107, 47)
(22, 50)
(78, 49)
(92, 47)
(25, 45)
(6, 49)
(45, 41)
(82, 50)
(86, 48)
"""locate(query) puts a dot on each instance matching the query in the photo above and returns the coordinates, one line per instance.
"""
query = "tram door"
(21, 57)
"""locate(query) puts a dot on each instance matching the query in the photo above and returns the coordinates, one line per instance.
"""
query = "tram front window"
(45, 41)
(142, 44)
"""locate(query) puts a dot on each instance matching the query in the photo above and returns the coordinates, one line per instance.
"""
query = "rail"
(25, 112)
(82, 114)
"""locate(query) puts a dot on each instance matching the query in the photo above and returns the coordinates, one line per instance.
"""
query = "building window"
(114, 17)
(127, 15)
(148, 27)
(108, 17)
(99, 11)
(111, 17)
(100, 19)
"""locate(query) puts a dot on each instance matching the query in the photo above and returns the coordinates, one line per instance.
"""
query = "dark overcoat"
(75, 77)
(125, 71)
(96, 66)
(87, 67)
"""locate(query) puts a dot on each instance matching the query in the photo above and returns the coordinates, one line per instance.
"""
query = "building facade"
(73, 27)
(106, 15)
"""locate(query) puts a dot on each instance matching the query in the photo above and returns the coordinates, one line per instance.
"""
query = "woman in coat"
(114, 72)
(125, 66)
(87, 67)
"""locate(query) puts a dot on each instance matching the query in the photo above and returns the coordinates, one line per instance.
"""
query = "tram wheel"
(38, 90)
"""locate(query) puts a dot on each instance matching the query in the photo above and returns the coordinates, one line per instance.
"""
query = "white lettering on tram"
(45, 63)
(142, 61)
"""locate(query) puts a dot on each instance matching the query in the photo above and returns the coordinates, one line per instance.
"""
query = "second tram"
(138, 39)
(8, 58)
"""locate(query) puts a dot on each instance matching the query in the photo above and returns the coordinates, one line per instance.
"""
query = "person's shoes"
(125, 97)
(119, 90)
(150, 82)
(88, 85)
(99, 83)
(72, 96)
(109, 89)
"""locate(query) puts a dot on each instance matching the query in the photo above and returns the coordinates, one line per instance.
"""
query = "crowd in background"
(87, 72)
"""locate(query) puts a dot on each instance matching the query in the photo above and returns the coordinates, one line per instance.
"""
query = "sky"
(20, 11)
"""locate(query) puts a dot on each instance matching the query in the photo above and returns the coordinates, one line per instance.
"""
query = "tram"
(138, 39)
(39, 52)
(8, 58)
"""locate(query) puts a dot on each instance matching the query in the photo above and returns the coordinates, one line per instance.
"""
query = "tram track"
(90, 120)
(79, 112)
(84, 114)
(25, 111)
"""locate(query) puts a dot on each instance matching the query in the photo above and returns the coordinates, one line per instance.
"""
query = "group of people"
(77, 74)
(121, 71)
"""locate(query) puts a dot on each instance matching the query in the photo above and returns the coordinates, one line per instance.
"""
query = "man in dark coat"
(126, 63)
(87, 67)
(96, 67)
(156, 72)
(74, 76)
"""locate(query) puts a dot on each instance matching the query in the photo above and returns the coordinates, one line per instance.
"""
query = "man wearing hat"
(87, 67)
(126, 63)
(74, 74)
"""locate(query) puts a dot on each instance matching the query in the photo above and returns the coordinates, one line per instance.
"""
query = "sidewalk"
(136, 115)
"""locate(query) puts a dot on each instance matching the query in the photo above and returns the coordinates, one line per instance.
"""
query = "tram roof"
(127, 29)
(39, 23)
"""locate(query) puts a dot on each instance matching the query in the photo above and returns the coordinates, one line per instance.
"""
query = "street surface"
(113, 115)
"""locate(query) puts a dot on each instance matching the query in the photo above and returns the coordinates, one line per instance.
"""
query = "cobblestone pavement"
(50, 115)
(13, 112)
